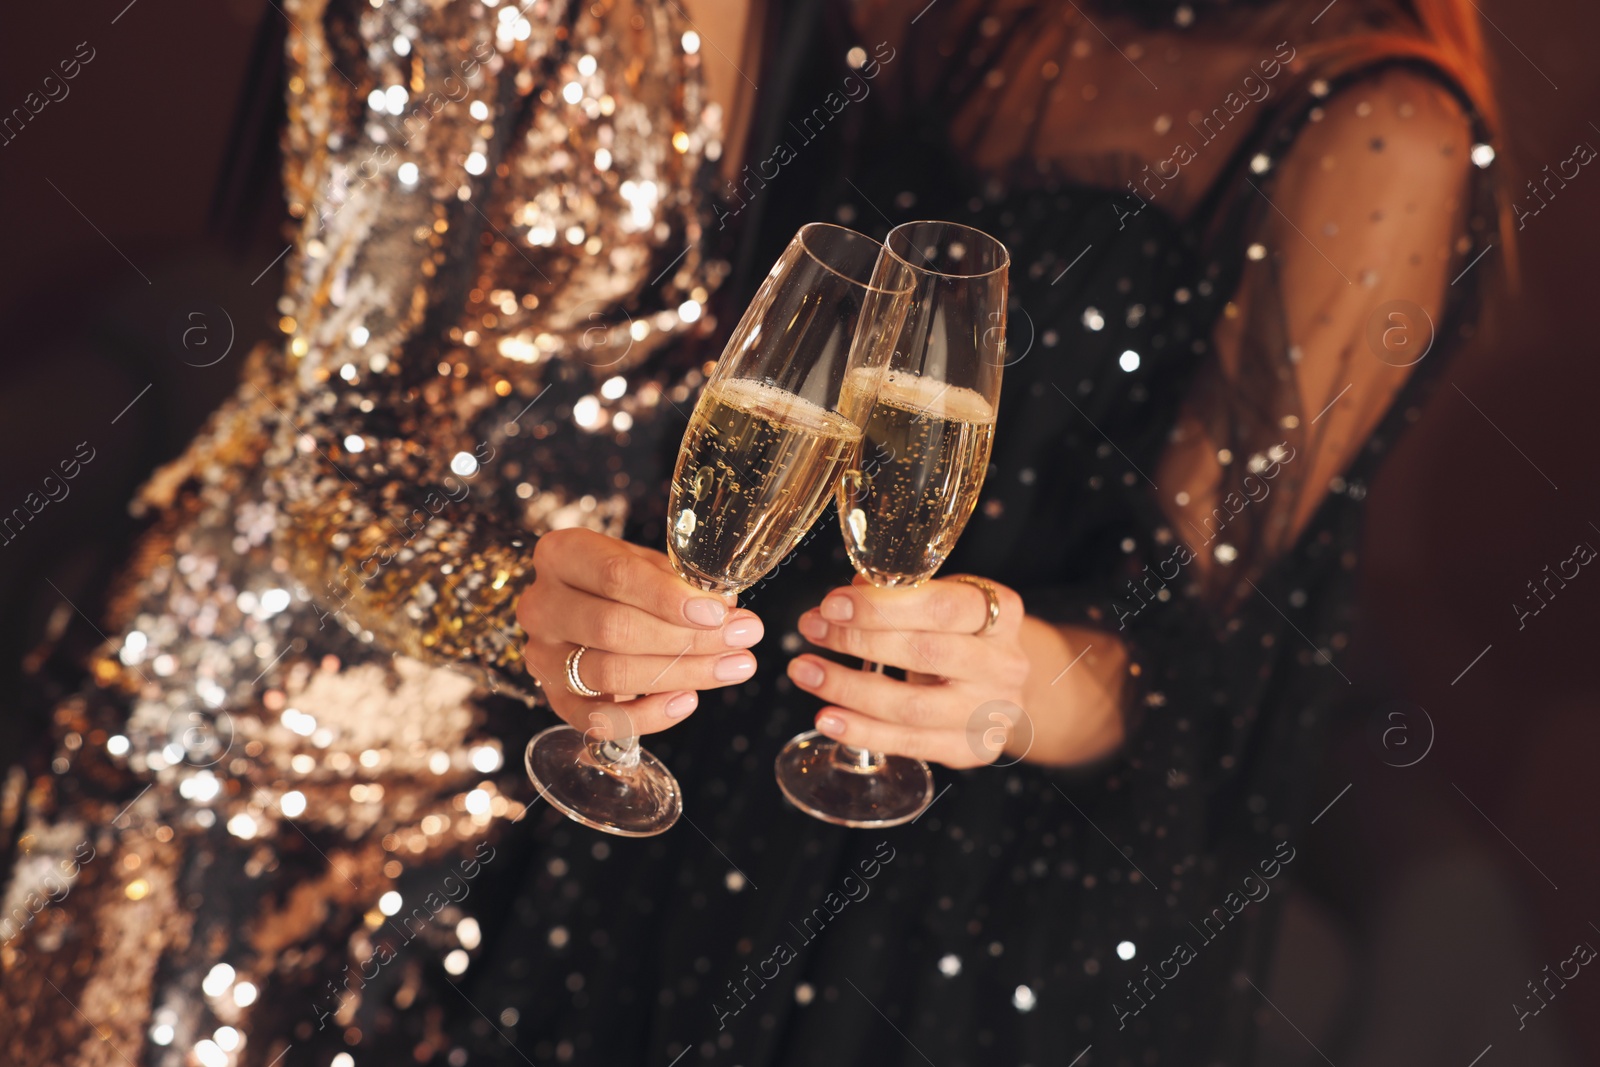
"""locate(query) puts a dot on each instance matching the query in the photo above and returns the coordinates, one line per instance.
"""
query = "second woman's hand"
(651, 639)
(955, 666)
(1023, 688)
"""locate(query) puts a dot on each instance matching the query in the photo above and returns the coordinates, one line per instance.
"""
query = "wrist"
(1073, 697)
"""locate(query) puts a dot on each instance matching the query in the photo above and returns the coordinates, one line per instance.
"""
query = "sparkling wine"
(755, 468)
(925, 450)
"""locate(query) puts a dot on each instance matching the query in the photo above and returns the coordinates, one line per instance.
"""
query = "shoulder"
(1394, 144)
(1395, 118)
(1375, 178)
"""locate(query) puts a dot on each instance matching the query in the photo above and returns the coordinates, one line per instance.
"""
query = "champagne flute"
(780, 417)
(905, 500)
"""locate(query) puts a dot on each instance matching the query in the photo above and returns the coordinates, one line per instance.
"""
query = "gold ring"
(575, 684)
(990, 592)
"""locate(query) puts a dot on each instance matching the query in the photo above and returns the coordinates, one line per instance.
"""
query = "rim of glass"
(1005, 253)
(814, 227)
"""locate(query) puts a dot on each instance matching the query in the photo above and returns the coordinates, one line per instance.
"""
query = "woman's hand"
(952, 670)
(1024, 688)
(653, 639)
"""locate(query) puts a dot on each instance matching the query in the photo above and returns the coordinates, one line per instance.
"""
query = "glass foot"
(621, 789)
(833, 783)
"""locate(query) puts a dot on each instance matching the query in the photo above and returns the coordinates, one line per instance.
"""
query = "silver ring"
(991, 594)
(575, 684)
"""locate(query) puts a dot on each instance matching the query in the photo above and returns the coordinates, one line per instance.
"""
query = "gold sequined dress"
(498, 247)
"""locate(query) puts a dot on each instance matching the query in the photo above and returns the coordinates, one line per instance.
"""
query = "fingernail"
(705, 611)
(734, 668)
(830, 724)
(838, 608)
(806, 673)
(682, 704)
(813, 627)
(742, 633)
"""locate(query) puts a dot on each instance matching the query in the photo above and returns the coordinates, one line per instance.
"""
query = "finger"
(660, 560)
(613, 673)
(609, 568)
(564, 614)
(944, 654)
(609, 720)
(948, 747)
(935, 706)
(944, 604)
(540, 659)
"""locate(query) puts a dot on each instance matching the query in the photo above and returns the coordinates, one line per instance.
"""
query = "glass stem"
(619, 756)
(861, 760)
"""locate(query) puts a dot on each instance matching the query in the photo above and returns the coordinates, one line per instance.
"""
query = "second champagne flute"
(780, 416)
(906, 499)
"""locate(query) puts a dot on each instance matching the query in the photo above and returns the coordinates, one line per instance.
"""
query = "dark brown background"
(1421, 922)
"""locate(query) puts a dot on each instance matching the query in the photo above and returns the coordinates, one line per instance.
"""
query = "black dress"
(1118, 914)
